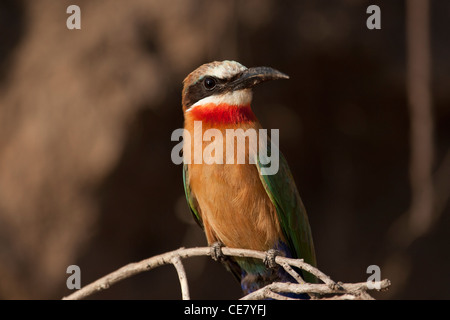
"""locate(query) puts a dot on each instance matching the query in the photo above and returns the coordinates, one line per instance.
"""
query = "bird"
(235, 204)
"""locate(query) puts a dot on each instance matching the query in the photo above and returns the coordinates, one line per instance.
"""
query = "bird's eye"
(209, 83)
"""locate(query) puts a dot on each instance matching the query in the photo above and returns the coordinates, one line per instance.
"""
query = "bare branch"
(135, 268)
(271, 291)
(299, 263)
(354, 289)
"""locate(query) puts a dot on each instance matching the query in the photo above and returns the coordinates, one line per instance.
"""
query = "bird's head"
(219, 88)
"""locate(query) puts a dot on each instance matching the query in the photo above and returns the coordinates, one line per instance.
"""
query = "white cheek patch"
(234, 98)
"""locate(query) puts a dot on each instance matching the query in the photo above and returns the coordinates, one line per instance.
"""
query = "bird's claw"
(216, 251)
(269, 260)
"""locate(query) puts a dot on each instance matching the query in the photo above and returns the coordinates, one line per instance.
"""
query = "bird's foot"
(269, 260)
(216, 251)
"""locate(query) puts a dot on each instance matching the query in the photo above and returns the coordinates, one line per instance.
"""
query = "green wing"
(290, 210)
(191, 200)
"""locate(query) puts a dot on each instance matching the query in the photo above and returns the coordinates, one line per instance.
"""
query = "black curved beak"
(253, 76)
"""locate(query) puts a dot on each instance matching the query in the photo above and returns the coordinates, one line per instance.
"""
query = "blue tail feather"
(255, 275)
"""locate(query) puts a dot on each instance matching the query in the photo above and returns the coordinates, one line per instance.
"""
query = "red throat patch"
(223, 113)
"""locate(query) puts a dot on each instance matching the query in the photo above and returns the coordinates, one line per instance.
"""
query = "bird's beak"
(253, 76)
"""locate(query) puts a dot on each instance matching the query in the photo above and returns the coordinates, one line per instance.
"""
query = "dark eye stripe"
(197, 91)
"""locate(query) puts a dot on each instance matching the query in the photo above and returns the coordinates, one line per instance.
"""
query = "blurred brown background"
(86, 117)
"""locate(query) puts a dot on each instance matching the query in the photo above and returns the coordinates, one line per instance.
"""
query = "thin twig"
(292, 272)
(176, 261)
(294, 275)
(276, 296)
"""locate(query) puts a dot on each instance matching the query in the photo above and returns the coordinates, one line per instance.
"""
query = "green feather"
(291, 212)
(191, 200)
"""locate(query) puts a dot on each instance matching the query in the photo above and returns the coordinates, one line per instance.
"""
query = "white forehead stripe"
(233, 98)
(226, 69)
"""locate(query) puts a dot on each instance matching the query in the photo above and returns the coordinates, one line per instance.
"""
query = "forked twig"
(271, 291)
